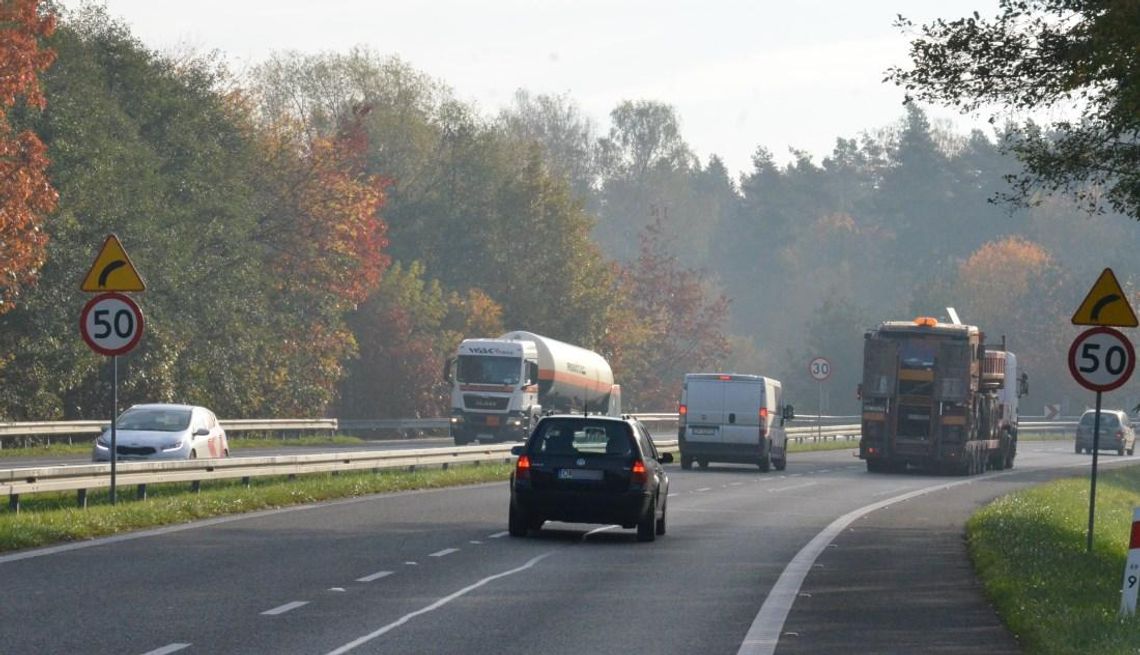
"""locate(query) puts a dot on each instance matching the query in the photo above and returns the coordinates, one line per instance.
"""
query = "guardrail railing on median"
(84, 428)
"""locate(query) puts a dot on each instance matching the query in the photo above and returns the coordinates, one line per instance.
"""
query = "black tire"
(647, 525)
(517, 522)
(193, 454)
(765, 462)
(1079, 449)
(781, 463)
(686, 462)
(876, 466)
(703, 463)
(661, 521)
(1132, 450)
(1120, 451)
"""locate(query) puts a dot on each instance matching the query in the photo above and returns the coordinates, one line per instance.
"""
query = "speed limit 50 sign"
(1101, 359)
(111, 324)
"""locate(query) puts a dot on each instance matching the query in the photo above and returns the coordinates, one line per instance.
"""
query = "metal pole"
(819, 415)
(1092, 492)
(114, 420)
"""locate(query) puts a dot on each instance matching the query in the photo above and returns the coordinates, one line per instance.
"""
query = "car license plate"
(703, 431)
(579, 474)
(492, 420)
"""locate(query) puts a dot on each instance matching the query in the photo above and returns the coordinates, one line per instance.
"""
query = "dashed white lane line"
(375, 576)
(735, 484)
(436, 605)
(411, 563)
(287, 607)
(337, 589)
(795, 475)
(794, 486)
(499, 535)
(169, 648)
(475, 541)
(824, 471)
(704, 489)
(445, 552)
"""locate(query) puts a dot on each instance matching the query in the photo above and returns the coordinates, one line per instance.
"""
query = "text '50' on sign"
(1101, 359)
(111, 324)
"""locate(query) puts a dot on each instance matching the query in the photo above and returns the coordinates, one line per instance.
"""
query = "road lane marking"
(794, 486)
(444, 553)
(436, 605)
(287, 607)
(703, 489)
(892, 490)
(766, 628)
(336, 589)
(476, 542)
(374, 577)
(169, 648)
(735, 484)
(499, 535)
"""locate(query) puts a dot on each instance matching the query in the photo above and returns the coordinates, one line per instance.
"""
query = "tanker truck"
(500, 387)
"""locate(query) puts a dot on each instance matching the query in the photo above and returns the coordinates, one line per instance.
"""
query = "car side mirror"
(666, 458)
(201, 432)
(518, 450)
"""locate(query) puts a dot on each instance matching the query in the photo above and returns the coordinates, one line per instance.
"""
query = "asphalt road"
(434, 572)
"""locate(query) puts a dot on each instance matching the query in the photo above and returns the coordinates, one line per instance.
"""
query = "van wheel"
(765, 463)
(686, 462)
(781, 463)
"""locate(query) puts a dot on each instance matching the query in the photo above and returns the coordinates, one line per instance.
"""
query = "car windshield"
(165, 419)
(485, 369)
(1106, 420)
(582, 438)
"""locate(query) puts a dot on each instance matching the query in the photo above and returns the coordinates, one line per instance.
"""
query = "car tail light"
(1120, 434)
(522, 468)
(640, 475)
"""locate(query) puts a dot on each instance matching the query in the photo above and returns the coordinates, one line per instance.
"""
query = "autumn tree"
(26, 194)
(1078, 56)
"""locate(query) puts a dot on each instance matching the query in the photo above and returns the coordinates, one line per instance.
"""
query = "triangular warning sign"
(112, 270)
(1106, 304)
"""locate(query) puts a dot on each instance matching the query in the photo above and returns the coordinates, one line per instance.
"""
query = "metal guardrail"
(80, 428)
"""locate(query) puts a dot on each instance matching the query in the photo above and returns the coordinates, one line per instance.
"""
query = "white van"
(730, 417)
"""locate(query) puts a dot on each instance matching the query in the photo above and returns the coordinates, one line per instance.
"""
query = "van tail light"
(522, 468)
(640, 475)
(763, 422)
(682, 411)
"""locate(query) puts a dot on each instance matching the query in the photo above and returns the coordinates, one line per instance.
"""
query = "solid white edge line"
(764, 633)
(444, 552)
(436, 605)
(287, 607)
(375, 576)
(169, 648)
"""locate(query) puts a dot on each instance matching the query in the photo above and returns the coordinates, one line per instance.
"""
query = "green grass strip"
(1029, 550)
(46, 519)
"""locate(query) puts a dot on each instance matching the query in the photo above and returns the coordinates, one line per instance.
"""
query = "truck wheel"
(686, 462)
(517, 521)
(703, 463)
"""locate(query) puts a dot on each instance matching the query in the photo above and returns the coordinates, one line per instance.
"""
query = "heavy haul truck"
(935, 397)
(501, 386)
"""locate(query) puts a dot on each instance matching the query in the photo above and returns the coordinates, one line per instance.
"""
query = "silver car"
(1116, 432)
(162, 431)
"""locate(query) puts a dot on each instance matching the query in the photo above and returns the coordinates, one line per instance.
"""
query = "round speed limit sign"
(820, 368)
(1101, 359)
(111, 324)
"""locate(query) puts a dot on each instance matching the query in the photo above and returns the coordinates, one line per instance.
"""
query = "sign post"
(112, 324)
(1100, 359)
(820, 369)
(1131, 569)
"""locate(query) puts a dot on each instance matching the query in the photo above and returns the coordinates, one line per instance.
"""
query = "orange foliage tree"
(26, 194)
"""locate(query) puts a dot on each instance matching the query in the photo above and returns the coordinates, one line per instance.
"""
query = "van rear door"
(704, 398)
(742, 403)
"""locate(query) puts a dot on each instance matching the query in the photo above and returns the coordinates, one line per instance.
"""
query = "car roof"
(593, 417)
(1117, 412)
(164, 406)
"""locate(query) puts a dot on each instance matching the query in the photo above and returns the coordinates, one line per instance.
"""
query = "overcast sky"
(741, 73)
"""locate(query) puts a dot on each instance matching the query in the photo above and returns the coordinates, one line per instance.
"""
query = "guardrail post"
(245, 482)
(140, 492)
(196, 486)
(14, 503)
(81, 498)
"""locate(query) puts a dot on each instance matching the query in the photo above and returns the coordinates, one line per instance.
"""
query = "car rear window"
(582, 438)
(1106, 420)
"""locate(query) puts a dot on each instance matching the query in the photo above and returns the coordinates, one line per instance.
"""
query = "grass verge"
(46, 519)
(1029, 550)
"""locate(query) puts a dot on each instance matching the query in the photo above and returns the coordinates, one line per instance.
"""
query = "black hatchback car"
(589, 469)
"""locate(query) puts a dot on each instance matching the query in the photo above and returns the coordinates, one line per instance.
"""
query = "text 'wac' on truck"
(500, 387)
(935, 397)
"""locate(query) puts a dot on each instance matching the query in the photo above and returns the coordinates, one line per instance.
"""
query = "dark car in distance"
(589, 469)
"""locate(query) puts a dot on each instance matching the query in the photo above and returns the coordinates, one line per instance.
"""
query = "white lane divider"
(169, 648)
(436, 605)
(375, 576)
(287, 607)
(498, 535)
(794, 486)
(444, 553)
(704, 489)
(476, 542)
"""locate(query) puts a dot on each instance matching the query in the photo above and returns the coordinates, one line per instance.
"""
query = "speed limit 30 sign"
(111, 324)
(1101, 359)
